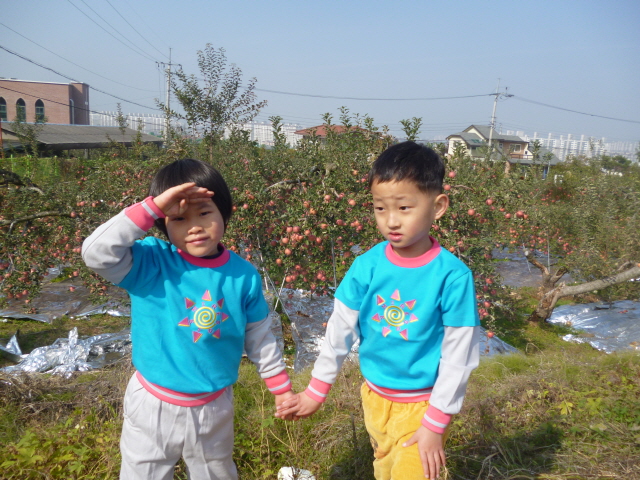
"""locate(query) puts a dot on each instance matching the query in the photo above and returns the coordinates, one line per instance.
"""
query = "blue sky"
(578, 55)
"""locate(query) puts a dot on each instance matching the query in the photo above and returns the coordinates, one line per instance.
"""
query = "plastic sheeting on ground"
(67, 355)
(56, 299)
(607, 327)
(516, 271)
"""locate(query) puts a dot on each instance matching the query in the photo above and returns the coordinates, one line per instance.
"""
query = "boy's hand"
(430, 449)
(280, 399)
(175, 200)
(299, 406)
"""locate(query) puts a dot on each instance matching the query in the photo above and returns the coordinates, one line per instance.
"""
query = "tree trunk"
(547, 303)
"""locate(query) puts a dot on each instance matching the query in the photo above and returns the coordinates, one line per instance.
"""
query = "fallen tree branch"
(33, 217)
(282, 182)
(10, 178)
(548, 301)
(532, 260)
(549, 279)
(463, 186)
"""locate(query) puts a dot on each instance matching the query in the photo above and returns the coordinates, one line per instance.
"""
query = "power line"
(371, 99)
(134, 29)
(114, 28)
(73, 79)
(79, 66)
(574, 111)
(129, 47)
(129, 4)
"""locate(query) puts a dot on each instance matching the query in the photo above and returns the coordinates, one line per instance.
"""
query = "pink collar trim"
(414, 262)
(207, 262)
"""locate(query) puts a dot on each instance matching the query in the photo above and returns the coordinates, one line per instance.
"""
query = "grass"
(557, 411)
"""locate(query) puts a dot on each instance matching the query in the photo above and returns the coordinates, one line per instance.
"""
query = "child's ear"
(440, 204)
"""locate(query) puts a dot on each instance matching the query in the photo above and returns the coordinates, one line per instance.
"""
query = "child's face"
(198, 230)
(404, 215)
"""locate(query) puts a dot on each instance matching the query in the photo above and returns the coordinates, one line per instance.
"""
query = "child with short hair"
(412, 306)
(194, 307)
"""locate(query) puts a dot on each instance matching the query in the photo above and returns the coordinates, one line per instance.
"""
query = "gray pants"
(155, 434)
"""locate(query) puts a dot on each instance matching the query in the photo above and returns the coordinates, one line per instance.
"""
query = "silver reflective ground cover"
(66, 356)
(607, 327)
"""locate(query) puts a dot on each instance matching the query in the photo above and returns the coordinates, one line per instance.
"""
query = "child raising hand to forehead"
(195, 306)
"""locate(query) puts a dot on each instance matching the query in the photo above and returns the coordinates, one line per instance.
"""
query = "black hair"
(196, 171)
(409, 161)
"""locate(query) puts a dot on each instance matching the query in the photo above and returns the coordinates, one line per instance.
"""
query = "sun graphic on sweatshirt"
(395, 315)
(206, 317)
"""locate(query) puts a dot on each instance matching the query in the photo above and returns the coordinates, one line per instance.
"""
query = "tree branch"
(10, 178)
(548, 301)
(532, 260)
(633, 272)
(33, 217)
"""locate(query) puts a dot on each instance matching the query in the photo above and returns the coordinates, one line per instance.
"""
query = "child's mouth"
(395, 237)
(198, 241)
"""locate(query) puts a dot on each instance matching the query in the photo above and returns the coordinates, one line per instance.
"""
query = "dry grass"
(561, 411)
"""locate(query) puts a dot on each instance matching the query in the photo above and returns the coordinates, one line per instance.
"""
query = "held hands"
(430, 449)
(297, 407)
(174, 201)
(282, 398)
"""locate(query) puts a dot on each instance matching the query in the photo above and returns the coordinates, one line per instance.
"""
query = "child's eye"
(202, 214)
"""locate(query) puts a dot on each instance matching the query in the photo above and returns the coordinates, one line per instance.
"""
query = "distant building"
(55, 138)
(262, 133)
(33, 101)
(320, 131)
(152, 123)
(475, 139)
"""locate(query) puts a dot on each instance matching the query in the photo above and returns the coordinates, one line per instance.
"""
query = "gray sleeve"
(107, 251)
(262, 348)
(342, 333)
(460, 355)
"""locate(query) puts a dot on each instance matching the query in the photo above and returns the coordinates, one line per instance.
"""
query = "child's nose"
(195, 228)
(393, 221)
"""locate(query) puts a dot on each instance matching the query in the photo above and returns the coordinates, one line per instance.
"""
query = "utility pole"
(167, 120)
(492, 125)
(1, 142)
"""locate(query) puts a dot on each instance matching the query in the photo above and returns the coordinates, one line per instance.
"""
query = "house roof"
(542, 153)
(484, 131)
(65, 137)
(321, 130)
(470, 138)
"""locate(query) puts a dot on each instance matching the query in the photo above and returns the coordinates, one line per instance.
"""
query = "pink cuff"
(318, 390)
(143, 214)
(435, 420)
(278, 384)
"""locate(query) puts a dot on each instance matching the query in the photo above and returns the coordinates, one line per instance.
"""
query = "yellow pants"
(390, 424)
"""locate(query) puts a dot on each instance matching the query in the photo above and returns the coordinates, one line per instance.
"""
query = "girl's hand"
(175, 200)
(299, 406)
